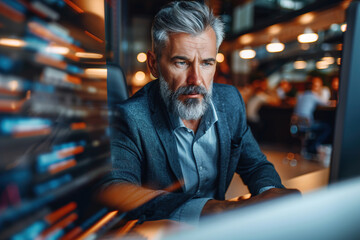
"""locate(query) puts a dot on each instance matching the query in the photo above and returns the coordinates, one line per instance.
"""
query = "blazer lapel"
(224, 144)
(161, 122)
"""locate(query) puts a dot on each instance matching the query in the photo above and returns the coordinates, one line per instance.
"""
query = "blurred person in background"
(322, 91)
(305, 107)
(282, 90)
(286, 93)
(261, 96)
(179, 140)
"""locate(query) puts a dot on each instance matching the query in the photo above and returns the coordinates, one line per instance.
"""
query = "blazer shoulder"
(228, 95)
(137, 105)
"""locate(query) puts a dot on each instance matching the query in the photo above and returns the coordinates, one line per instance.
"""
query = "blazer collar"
(161, 121)
(224, 142)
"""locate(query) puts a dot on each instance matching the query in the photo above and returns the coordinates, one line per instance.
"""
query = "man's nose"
(194, 76)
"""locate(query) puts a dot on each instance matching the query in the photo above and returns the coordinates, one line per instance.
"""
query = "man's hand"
(218, 206)
(274, 193)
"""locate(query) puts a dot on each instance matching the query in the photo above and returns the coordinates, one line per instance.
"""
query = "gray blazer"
(144, 150)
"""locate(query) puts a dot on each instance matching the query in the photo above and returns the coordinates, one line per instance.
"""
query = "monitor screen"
(346, 151)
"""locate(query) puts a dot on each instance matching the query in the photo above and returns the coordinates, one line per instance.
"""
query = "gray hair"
(184, 17)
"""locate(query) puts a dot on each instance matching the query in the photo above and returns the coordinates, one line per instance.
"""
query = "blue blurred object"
(31, 232)
(15, 5)
(11, 125)
(6, 63)
(52, 184)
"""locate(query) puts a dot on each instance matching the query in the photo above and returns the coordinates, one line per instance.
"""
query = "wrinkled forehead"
(203, 43)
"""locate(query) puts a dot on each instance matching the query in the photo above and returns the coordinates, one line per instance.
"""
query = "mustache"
(191, 90)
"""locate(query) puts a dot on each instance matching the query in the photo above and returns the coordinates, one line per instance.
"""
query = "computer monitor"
(346, 146)
(330, 213)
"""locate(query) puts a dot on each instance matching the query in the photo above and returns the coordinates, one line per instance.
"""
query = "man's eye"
(180, 64)
(208, 63)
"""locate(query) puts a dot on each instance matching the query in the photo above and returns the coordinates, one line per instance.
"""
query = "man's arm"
(218, 206)
(122, 188)
(139, 202)
(255, 170)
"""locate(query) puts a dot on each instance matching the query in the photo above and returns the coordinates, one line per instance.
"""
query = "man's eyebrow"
(186, 58)
(209, 60)
(179, 58)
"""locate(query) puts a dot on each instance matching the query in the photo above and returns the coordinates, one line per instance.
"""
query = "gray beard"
(190, 109)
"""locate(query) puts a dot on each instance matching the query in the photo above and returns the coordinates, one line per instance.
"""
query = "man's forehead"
(186, 44)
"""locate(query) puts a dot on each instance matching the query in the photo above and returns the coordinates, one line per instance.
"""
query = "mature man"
(184, 129)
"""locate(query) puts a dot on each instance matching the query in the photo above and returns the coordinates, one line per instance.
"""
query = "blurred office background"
(60, 59)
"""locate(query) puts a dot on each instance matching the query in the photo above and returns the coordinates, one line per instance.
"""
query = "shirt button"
(201, 168)
(198, 191)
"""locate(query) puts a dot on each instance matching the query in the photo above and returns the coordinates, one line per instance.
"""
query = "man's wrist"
(263, 189)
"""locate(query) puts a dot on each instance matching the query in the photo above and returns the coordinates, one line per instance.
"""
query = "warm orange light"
(300, 64)
(88, 55)
(94, 37)
(61, 212)
(140, 75)
(12, 42)
(220, 57)
(246, 39)
(98, 225)
(247, 53)
(57, 50)
(274, 29)
(141, 57)
(328, 59)
(13, 85)
(343, 27)
(96, 72)
(78, 125)
(338, 61)
(61, 166)
(306, 18)
(275, 46)
(308, 36)
(322, 65)
(74, 6)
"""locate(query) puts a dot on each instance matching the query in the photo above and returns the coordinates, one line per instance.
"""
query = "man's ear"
(152, 64)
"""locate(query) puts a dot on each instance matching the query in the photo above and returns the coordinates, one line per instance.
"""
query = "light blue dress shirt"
(198, 155)
(306, 105)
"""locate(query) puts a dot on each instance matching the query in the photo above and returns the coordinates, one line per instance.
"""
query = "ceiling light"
(13, 85)
(247, 53)
(275, 46)
(328, 58)
(220, 57)
(139, 78)
(300, 64)
(308, 36)
(338, 61)
(246, 39)
(141, 57)
(140, 75)
(274, 29)
(306, 18)
(322, 65)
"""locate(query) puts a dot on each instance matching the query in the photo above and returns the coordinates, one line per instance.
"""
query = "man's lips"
(192, 95)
